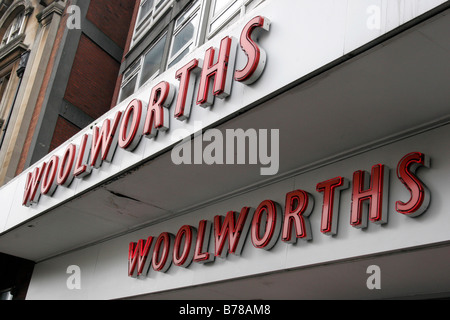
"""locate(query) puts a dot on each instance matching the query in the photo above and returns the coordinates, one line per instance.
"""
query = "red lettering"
(220, 71)
(104, 140)
(162, 253)
(65, 173)
(81, 168)
(201, 254)
(158, 112)
(230, 232)
(130, 133)
(32, 189)
(267, 217)
(49, 185)
(184, 247)
(257, 57)
(186, 89)
(420, 195)
(138, 262)
(299, 205)
(330, 207)
(370, 198)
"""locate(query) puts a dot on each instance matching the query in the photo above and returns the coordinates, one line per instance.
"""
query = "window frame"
(203, 10)
(193, 11)
(135, 70)
(228, 14)
(145, 53)
(143, 25)
(11, 32)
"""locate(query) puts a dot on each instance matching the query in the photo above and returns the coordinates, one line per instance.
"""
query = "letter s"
(256, 56)
(420, 195)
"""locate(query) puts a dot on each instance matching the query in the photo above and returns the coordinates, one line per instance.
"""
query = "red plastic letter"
(184, 242)
(49, 185)
(420, 195)
(376, 194)
(330, 208)
(104, 140)
(256, 56)
(186, 90)
(158, 113)
(231, 232)
(32, 186)
(81, 167)
(162, 253)
(138, 261)
(131, 127)
(201, 254)
(299, 205)
(65, 172)
(221, 71)
(268, 217)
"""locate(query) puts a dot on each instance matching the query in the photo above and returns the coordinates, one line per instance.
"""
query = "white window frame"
(143, 25)
(233, 9)
(135, 70)
(12, 32)
(154, 75)
(192, 12)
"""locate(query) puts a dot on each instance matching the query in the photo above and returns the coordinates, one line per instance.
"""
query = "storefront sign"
(268, 223)
(127, 127)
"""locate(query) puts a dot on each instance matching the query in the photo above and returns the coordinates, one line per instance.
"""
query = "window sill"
(12, 51)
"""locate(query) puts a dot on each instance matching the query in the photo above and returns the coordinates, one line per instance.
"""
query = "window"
(185, 34)
(14, 29)
(157, 58)
(129, 81)
(147, 67)
(4, 81)
(223, 12)
(152, 61)
(198, 21)
(149, 13)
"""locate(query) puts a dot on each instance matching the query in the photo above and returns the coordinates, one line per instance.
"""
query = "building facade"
(49, 56)
(28, 31)
(241, 149)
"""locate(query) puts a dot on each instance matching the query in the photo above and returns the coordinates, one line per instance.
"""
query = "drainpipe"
(20, 72)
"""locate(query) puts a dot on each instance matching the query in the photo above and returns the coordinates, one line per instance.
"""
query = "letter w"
(104, 140)
(32, 189)
(231, 232)
(138, 261)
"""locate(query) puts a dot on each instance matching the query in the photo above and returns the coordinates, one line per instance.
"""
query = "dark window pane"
(128, 89)
(152, 60)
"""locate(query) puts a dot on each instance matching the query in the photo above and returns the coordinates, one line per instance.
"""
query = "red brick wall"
(110, 16)
(64, 131)
(92, 79)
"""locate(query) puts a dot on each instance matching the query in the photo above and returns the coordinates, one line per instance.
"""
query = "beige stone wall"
(40, 28)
